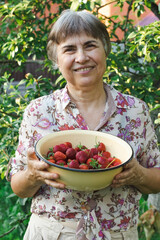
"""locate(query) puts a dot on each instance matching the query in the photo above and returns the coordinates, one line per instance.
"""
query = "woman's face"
(81, 60)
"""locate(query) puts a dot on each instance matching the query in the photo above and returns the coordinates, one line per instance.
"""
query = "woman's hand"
(146, 180)
(37, 171)
(132, 174)
(27, 182)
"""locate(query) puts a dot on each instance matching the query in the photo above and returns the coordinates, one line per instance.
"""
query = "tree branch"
(106, 5)
(127, 16)
(154, 9)
(4, 234)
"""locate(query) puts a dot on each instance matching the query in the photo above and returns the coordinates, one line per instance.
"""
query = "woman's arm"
(27, 182)
(146, 180)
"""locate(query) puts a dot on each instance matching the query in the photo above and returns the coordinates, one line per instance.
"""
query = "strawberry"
(57, 148)
(51, 160)
(68, 144)
(50, 152)
(63, 147)
(61, 162)
(73, 164)
(102, 161)
(71, 153)
(93, 151)
(106, 154)
(83, 166)
(101, 147)
(80, 147)
(82, 156)
(116, 162)
(96, 156)
(65, 165)
(59, 156)
(92, 163)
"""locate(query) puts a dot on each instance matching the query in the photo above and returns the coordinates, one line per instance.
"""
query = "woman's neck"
(87, 96)
(90, 103)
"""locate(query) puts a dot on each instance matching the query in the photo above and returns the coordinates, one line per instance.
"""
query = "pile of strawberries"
(82, 157)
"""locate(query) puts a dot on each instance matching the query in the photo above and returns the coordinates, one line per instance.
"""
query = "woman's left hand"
(132, 174)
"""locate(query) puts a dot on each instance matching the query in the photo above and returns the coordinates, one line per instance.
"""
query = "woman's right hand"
(37, 171)
(26, 183)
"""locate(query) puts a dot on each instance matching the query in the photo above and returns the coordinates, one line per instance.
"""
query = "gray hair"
(72, 23)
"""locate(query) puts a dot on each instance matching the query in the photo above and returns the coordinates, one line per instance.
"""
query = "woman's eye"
(90, 46)
(69, 50)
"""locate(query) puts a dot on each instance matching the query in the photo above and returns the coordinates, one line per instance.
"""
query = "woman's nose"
(81, 56)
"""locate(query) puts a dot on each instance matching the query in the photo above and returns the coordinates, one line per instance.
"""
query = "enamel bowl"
(85, 180)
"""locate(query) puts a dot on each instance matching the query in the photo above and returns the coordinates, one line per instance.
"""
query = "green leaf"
(19, 21)
(75, 5)
(132, 35)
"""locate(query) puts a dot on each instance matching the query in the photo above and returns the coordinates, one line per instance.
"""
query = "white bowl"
(85, 180)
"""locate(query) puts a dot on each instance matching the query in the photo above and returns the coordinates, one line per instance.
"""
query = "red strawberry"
(66, 165)
(50, 153)
(96, 156)
(101, 147)
(80, 147)
(117, 162)
(68, 144)
(51, 160)
(83, 166)
(59, 156)
(93, 151)
(114, 162)
(61, 162)
(82, 156)
(102, 161)
(106, 154)
(92, 163)
(73, 164)
(71, 153)
(57, 148)
(63, 147)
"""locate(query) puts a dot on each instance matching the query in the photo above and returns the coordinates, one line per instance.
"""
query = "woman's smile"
(83, 69)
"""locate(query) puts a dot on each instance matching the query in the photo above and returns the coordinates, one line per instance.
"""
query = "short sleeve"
(27, 138)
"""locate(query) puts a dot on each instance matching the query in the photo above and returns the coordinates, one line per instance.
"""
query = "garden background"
(133, 67)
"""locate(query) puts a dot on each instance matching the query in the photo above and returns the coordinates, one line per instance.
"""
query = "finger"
(31, 154)
(39, 165)
(131, 163)
(55, 184)
(45, 175)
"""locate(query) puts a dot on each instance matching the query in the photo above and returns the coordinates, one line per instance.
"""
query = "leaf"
(157, 121)
(75, 5)
(132, 35)
(59, 79)
(19, 21)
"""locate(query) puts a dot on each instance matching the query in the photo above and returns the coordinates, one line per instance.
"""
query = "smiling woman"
(79, 44)
(73, 23)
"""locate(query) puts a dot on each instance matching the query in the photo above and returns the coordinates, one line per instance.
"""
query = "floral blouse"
(108, 209)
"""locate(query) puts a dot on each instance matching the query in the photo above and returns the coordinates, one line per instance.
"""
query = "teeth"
(83, 69)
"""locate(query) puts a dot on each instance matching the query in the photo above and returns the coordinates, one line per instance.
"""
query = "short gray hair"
(72, 23)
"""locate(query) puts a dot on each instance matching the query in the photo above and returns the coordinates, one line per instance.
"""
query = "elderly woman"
(79, 44)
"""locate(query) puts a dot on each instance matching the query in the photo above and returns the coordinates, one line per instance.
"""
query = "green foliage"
(132, 67)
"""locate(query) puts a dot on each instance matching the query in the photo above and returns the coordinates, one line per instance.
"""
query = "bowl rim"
(83, 170)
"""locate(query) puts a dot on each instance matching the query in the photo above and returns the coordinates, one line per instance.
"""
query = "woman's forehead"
(81, 37)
